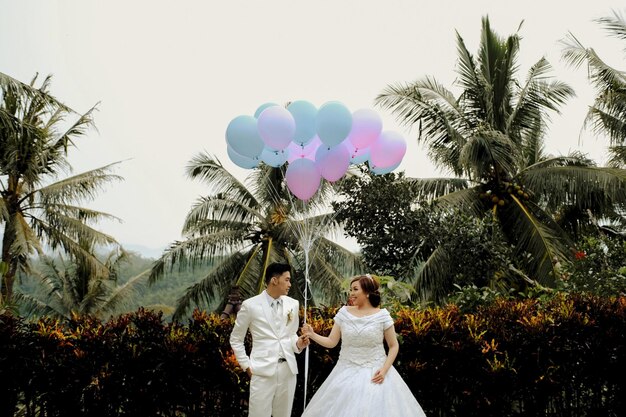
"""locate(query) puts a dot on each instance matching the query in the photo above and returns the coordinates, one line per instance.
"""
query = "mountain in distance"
(144, 251)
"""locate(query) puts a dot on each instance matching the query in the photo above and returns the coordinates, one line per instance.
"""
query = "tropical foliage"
(607, 115)
(243, 229)
(68, 288)
(38, 207)
(491, 138)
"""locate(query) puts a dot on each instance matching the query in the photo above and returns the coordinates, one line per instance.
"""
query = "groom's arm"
(298, 343)
(238, 335)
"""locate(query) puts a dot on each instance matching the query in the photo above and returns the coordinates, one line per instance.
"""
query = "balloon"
(381, 171)
(357, 156)
(303, 151)
(304, 114)
(274, 158)
(242, 135)
(333, 123)
(262, 107)
(302, 178)
(387, 150)
(240, 160)
(332, 163)
(366, 127)
(276, 127)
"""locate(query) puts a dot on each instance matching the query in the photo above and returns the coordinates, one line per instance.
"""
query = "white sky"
(170, 75)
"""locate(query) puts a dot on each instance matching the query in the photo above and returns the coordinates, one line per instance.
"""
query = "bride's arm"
(392, 343)
(329, 341)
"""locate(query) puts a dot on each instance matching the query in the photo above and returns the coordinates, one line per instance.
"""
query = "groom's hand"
(303, 341)
(249, 372)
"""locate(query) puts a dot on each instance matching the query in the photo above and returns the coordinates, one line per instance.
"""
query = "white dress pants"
(272, 395)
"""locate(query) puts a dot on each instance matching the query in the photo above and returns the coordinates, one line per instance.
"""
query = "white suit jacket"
(269, 340)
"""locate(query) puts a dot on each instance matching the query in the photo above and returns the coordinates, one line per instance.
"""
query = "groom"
(272, 319)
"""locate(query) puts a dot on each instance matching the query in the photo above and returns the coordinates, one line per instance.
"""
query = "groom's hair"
(275, 269)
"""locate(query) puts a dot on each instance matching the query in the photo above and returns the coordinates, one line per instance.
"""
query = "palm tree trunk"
(6, 295)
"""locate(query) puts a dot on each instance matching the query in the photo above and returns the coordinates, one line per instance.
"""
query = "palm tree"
(491, 139)
(241, 230)
(68, 287)
(37, 208)
(607, 115)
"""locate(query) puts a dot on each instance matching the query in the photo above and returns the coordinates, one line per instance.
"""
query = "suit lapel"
(269, 315)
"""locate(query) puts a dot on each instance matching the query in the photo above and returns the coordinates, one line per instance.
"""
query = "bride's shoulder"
(343, 311)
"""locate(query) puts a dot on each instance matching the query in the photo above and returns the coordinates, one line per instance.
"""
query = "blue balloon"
(274, 158)
(381, 171)
(262, 107)
(240, 160)
(243, 136)
(333, 123)
(304, 114)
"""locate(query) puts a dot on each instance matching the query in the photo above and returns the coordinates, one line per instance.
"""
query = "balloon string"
(306, 291)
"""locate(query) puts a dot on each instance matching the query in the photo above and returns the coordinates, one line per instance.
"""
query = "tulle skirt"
(349, 392)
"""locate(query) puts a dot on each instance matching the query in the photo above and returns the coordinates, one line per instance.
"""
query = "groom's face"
(283, 283)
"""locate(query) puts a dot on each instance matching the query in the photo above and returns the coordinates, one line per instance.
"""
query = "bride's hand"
(307, 330)
(379, 376)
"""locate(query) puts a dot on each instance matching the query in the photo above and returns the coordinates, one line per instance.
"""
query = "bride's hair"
(370, 286)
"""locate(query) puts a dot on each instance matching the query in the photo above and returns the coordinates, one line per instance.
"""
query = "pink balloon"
(297, 151)
(366, 127)
(387, 150)
(302, 178)
(277, 127)
(332, 163)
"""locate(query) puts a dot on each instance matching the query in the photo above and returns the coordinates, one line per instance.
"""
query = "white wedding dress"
(348, 391)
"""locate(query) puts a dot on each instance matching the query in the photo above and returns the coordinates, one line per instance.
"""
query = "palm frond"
(435, 276)
(213, 287)
(121, 295)
(222, 211)
(534, 233)
(615, 25)
(81, 187)
(617, 157)
(195, 251)
(429, 189)
(465, 200)
(581, 186)
(210, 170)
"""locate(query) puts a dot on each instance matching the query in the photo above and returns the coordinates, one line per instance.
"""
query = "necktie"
(276, 308)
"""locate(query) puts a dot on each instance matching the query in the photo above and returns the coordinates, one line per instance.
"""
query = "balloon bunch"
(316, 143)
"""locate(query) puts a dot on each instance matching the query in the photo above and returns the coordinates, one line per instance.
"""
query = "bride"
(363, 382)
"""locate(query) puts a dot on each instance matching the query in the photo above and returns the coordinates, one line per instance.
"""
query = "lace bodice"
(362, 337)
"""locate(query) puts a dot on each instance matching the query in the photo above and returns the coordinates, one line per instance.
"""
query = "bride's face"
(357, 295)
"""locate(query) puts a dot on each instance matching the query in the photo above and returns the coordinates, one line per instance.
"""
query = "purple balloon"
(302, 178)
(366, 127)
(262, 107)
(332, 163)
(387, 150)
(276, 127)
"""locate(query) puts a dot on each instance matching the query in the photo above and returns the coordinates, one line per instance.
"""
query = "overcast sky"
(170, 75)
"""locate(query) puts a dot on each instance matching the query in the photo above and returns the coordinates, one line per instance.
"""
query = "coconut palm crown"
(491, 139)
(241, 229)
(39, 208)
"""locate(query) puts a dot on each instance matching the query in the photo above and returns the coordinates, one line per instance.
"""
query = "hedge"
(561, 357)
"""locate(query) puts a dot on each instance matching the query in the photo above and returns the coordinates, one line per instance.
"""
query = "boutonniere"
(289, 315)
